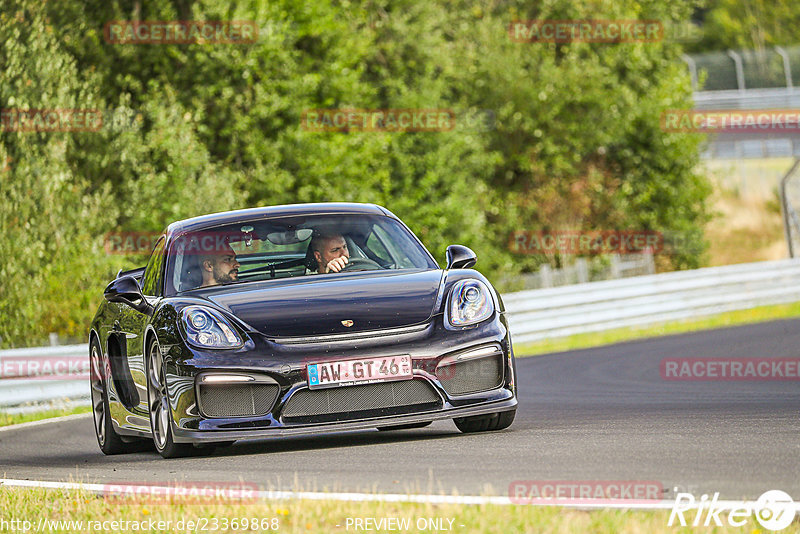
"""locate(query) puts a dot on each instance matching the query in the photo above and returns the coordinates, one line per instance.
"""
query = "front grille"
(471, 376)
(237, 400)
(351, 336)
(352, 402)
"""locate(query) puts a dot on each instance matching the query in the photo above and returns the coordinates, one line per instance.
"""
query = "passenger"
(219, 268)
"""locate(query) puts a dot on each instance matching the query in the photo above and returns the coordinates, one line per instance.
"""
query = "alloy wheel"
(97, 388)
(157, 396)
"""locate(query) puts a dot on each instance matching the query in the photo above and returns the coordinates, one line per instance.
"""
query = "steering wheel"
(360, 264)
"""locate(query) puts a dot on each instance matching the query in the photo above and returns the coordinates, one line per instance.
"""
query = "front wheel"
(160, 413)
(485, 423)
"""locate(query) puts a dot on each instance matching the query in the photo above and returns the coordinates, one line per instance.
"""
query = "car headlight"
(470, 303)
(208, 329)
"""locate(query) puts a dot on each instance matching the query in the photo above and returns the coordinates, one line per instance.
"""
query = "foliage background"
(747, 24)
(573, 141)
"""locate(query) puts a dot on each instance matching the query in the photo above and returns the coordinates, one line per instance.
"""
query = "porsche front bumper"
(282, 366)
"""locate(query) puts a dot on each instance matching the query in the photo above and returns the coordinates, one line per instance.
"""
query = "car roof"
(321, 208)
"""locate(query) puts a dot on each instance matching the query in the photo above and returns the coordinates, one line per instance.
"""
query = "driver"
(330, 251)
(219, 268)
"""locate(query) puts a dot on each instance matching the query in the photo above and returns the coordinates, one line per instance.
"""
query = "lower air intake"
(237, 400)
(471, 376)
(352, 402)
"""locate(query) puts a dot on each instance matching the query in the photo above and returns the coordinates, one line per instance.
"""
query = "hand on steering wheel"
(336, 265)
(360, 264)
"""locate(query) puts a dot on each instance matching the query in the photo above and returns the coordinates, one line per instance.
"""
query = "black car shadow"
(356, 438)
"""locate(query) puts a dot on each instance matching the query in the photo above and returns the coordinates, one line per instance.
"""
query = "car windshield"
(265, 249)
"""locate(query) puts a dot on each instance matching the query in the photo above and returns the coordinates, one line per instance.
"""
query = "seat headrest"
(191, 276)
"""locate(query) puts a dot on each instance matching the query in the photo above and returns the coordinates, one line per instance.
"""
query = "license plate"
(365, 371)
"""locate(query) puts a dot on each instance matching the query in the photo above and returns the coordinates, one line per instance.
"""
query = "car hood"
(325, 305)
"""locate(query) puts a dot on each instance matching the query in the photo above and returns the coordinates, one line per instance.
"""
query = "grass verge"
(16, 418)
(734, 318)
(35, 505)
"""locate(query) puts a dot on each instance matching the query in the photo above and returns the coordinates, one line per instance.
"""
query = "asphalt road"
(596, 414)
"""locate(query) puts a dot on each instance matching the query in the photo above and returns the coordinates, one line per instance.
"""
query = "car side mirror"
(460, 257)
(127, 291)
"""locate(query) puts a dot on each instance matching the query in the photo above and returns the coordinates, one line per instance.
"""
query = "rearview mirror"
(127, 291)
(289, 237)
(460, 257)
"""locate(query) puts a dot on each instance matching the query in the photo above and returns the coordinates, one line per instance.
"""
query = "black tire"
(159, 409)
(485, 423)
(405, 427)
(107, 438)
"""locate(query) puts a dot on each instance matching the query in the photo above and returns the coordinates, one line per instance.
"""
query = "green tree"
(748, 25)
(49, 222)
(573, 137)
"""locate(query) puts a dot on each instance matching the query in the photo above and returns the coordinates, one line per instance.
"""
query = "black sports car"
(296, 319)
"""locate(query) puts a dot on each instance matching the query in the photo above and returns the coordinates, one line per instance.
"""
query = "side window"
(376, 247)
(153, 273)
(390, 242)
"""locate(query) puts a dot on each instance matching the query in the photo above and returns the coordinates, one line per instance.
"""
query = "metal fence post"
(789, 215)
(737, 61)
(692, 69)
(616, 271)
(547, 275)
(583, 270)
(787, 66)
(650, 264)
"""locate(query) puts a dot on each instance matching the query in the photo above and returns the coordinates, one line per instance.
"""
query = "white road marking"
(584, 504)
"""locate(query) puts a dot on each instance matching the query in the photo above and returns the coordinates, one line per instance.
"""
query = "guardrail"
(641, 300)
(533, 315)
(749, 144)
(34, 376)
